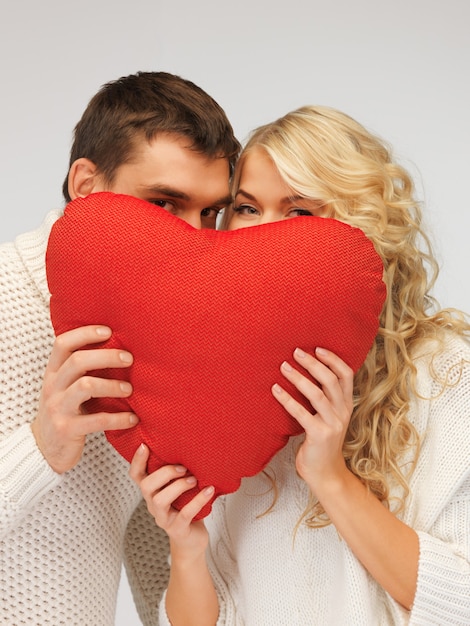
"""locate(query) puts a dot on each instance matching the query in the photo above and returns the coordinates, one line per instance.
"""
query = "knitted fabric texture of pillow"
(209, 316)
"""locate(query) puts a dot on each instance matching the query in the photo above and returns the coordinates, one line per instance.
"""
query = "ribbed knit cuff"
(443, 582)
(25, 475)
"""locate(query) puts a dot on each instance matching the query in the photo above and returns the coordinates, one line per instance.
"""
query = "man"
(67, 504)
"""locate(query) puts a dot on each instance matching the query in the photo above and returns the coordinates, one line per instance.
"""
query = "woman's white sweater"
(267, 575)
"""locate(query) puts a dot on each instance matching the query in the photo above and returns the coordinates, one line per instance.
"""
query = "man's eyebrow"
(165, 191)
(224, 201)
(170, 192)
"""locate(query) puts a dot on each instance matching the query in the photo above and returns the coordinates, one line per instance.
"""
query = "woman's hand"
(320, 460)
(188, 538)
(359, 517)
(191, 598)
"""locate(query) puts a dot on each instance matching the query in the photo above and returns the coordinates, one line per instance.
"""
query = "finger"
(161, 503)
(163, 500)
(160, 479)
(138, 466)
(327, 400)
(180, 520)
(70, 341)
(83, 361)
(312, 392)
(194, 506)
(88, 387)
(294, 408)
(82, 425)
(341, 369)
(334, 376)
(322, 374)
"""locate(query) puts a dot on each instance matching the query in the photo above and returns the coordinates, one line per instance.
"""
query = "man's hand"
(61, 425)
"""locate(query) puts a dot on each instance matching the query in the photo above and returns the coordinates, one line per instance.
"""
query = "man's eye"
(209, 217)
(210, 212)
(165, 204)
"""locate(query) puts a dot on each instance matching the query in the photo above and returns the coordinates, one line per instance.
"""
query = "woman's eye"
(300, 212)
(245, 209)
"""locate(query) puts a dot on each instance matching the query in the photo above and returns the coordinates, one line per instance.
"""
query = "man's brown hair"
(143, 105)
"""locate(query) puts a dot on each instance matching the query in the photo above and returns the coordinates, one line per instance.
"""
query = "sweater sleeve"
(26, 339)
(442, 495)
(443, 590)
(146, 552)
(25, 476)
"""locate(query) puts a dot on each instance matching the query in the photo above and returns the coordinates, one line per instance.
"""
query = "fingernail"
(125, 387)
(141, 449)
(191, 480)
(321, 351)
(103, 331)
(180, 469)
(133, 419)
(208, 491)
(285, 366)
(125, 357)
(277, 389)
(300, 353)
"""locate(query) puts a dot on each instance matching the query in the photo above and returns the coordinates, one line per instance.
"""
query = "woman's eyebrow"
(245, 193)
(284, 200)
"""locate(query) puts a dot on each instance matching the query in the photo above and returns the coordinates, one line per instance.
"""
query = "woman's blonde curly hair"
(324, 154)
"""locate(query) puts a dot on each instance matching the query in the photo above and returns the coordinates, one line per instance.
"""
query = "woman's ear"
(84, 178)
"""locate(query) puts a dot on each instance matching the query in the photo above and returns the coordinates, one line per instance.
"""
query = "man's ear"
(84, 178)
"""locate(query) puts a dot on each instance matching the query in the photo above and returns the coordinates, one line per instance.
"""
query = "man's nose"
(193, 218)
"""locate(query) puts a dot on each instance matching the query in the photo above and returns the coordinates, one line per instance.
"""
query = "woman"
(365, 518)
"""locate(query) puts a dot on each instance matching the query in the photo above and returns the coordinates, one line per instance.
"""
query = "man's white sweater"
(62, 537)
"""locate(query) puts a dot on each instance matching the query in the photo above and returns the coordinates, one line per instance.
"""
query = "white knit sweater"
(267, 577)
(62, 538)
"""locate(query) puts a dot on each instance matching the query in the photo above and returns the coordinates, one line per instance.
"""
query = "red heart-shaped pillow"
(209, 316)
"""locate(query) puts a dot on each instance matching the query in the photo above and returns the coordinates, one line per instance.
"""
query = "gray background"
(401, 68)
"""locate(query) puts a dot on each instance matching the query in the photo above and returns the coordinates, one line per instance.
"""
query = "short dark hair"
(143, 105)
